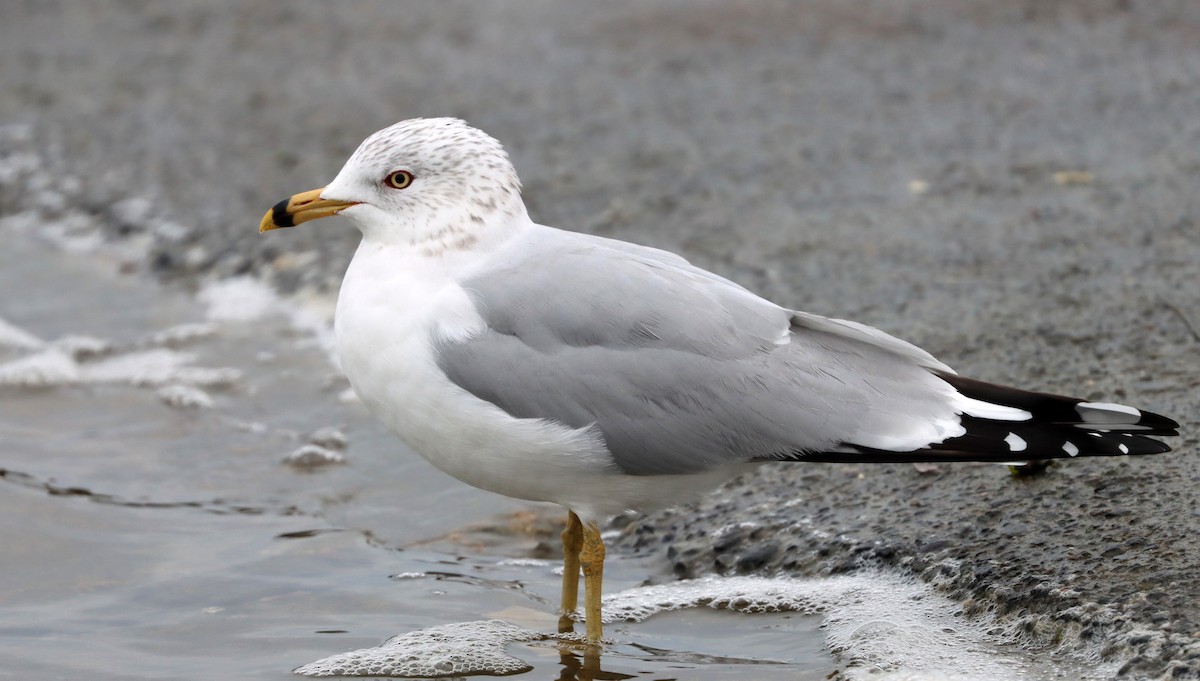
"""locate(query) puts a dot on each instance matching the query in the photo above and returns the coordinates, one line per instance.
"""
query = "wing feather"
(683, 371)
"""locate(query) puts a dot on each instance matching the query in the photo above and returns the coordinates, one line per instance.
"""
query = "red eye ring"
(398, 179)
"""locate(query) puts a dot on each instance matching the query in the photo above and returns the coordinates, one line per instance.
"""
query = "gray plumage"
(680, 370)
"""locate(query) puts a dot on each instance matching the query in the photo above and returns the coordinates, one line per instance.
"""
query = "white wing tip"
(1107, 412)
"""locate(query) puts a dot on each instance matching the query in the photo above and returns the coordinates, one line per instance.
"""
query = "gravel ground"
(1014, 186)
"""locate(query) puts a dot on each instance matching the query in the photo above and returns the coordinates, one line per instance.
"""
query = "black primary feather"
(1059, 427)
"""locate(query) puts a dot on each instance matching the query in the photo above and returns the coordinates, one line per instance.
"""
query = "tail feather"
(1058, 427)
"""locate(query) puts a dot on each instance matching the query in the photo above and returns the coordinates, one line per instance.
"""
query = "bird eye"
(399, 179)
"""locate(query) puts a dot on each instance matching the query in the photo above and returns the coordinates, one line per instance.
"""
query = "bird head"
(421, 181)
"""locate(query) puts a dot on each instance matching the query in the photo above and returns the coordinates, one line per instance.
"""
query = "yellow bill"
(302, 207)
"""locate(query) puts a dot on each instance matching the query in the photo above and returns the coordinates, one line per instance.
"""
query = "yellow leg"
(572, 541)
(591, 558)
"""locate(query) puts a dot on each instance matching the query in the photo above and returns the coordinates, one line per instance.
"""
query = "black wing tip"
(1059, 427)
(1050, 408)
(1150, 446)
(1158, 424)
(1003, 442)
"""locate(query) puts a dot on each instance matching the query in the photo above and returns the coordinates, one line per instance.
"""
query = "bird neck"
(451, 235)
(447, 228)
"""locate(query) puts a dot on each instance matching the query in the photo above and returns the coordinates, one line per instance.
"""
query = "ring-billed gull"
(606, 376)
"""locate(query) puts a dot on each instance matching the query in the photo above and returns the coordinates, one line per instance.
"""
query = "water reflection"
(585, 667)
(583, 662)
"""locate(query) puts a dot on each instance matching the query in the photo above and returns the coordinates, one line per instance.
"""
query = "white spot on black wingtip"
(1070, 449)
(1124, 449)
(1015, 443)
(1095, 434)
(1107, 412)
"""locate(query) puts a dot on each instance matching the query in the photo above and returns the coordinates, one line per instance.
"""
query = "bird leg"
(591, 558)
(572, 541)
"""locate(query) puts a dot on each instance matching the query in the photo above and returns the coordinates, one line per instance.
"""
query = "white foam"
(73, 231)
(246, 299)
(527, 562)
(329, 437)
(881, 625)
(83, 347)
(313, 456)
(182, 334)
(239, 299)
(41, 370)
(69, 362)
(449, 650)
(147, 368)
(12, 336)
(184, 397)
(208, 377)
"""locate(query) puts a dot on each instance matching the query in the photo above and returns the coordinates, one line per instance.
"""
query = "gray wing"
(680, 370)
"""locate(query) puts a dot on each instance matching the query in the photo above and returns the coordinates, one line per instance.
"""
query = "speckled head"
(436, 183)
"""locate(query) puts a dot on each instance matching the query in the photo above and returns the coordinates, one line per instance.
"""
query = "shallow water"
(149, 541)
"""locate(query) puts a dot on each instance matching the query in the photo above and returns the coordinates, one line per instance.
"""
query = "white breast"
(394, 307)
(391, 311)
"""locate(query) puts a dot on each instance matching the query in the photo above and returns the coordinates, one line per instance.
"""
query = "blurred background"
(1013, 186)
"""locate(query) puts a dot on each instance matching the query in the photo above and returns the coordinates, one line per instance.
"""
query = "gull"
(608, 377)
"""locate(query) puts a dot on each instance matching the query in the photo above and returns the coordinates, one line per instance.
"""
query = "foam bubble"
(743, 594)
(881, 625)
(448, 650)
(312, 456)
(184, 397)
